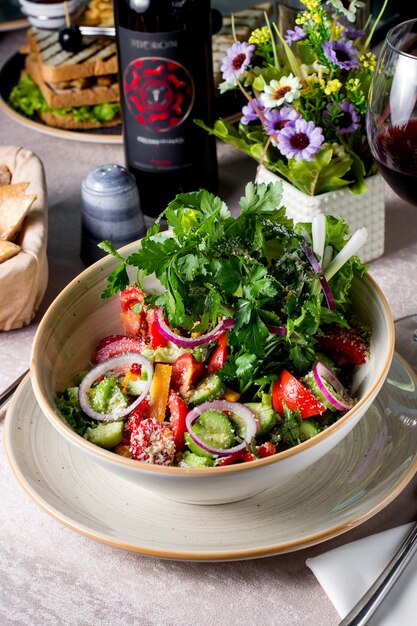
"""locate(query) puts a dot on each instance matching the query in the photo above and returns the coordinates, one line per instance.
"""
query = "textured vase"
(363, 210)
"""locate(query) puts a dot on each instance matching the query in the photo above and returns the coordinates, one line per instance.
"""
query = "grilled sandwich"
(69, 90)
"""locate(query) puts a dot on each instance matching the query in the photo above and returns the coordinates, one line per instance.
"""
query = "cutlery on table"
(7, 393)
(368, 604)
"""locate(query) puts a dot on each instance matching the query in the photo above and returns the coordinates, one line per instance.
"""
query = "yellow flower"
(332, 86)
(368, 61)
(312, 5)
(303, 18)
(260, 35)
(353, 84)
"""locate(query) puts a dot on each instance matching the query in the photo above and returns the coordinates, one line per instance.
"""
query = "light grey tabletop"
(56, 576)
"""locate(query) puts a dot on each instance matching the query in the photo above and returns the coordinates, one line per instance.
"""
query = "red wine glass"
(392, 133)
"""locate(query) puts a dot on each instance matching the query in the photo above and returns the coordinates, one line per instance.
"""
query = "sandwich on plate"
(72, 90)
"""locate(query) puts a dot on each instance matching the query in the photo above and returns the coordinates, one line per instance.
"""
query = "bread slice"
(59, 97)
(69, 123)
(8, 250)
(97, 56)
(14, 206)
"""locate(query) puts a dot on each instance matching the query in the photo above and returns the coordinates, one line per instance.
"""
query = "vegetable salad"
(249, 347)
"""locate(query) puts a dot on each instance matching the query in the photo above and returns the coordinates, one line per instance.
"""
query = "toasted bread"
(5, 175)
(8, 250)
(96, 58)
(58, 96)
(14, 206)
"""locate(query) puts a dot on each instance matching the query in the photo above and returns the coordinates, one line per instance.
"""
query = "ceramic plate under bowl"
(354, 481)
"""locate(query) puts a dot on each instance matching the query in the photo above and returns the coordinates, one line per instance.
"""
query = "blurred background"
(396, 11)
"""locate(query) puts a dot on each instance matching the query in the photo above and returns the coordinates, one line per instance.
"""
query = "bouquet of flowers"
(306, 94)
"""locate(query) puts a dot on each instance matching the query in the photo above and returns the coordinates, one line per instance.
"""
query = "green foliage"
(68, 406)
(250, 267)
(27, 98)
(326, 86)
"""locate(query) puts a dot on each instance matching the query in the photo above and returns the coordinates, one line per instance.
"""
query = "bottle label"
(158, 98)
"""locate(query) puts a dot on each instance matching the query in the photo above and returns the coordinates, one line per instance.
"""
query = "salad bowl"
(78, 318)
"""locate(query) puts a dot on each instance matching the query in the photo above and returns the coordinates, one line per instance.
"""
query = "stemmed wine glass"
(392, 134)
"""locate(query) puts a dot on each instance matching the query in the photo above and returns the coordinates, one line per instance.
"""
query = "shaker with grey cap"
(110, 210)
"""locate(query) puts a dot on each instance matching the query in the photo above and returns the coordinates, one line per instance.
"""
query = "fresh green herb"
(67, 404)
(251, 267)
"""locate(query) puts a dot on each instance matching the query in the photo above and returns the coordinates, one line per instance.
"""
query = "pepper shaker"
(110, 210)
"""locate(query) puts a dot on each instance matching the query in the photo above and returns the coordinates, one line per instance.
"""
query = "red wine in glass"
(391, 124)
(395, 151)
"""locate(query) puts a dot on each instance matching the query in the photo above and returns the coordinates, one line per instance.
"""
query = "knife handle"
(367, 605)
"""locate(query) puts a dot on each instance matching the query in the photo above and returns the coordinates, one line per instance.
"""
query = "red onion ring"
(235, 408)
(191, 342)
(127, 359)
(281, 331)
(322, 373)
(318, 270)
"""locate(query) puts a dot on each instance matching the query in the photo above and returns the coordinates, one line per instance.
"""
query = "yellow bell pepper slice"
(159, 391)
(230, 395)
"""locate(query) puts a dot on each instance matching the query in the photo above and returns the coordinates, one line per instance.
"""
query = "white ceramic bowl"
(47, 16)
(78, 318)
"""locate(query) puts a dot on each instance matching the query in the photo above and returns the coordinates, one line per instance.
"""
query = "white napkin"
(347, 572)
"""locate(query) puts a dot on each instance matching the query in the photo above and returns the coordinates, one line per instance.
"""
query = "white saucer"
(358, 478)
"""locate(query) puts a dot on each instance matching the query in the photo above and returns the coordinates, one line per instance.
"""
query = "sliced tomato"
(287, 389)
(219, 355)
(232, 458)
(186, 371)
(134, 323)
(155, 337)
(267, 449)
(344, 346)
(139, 413)
(248, 456)
(179, 411)
(131, 296)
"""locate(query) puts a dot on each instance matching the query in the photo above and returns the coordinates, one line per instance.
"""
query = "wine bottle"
(166, 80)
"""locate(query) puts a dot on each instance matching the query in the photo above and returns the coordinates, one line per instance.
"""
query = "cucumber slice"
(210, 388)
(107, 396)
(214, 429)
(266, 416)
(190, 459)
(72, 393)
(136, 387)
(195, 448)
(310, 382)
(308, 428)
(105, 435)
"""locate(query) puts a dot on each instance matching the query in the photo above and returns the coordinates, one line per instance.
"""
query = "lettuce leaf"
(27, 98)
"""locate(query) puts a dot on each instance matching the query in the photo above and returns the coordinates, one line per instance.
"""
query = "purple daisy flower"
(236, 61)
(300, 140)
(277, 119)
(248, 111)
(298, 34)
(341, 53)
(347, 119)
(352, 33)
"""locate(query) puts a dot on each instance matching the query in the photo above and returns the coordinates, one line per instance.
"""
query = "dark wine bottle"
(166, 80)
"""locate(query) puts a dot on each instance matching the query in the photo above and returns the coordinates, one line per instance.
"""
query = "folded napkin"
(346, 573)
(24, 277)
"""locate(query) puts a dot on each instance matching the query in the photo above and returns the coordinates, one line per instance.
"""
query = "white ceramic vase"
(364, 210)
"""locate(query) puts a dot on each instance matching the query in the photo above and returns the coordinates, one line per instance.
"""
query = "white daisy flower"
(348, 11)
(286, 89)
